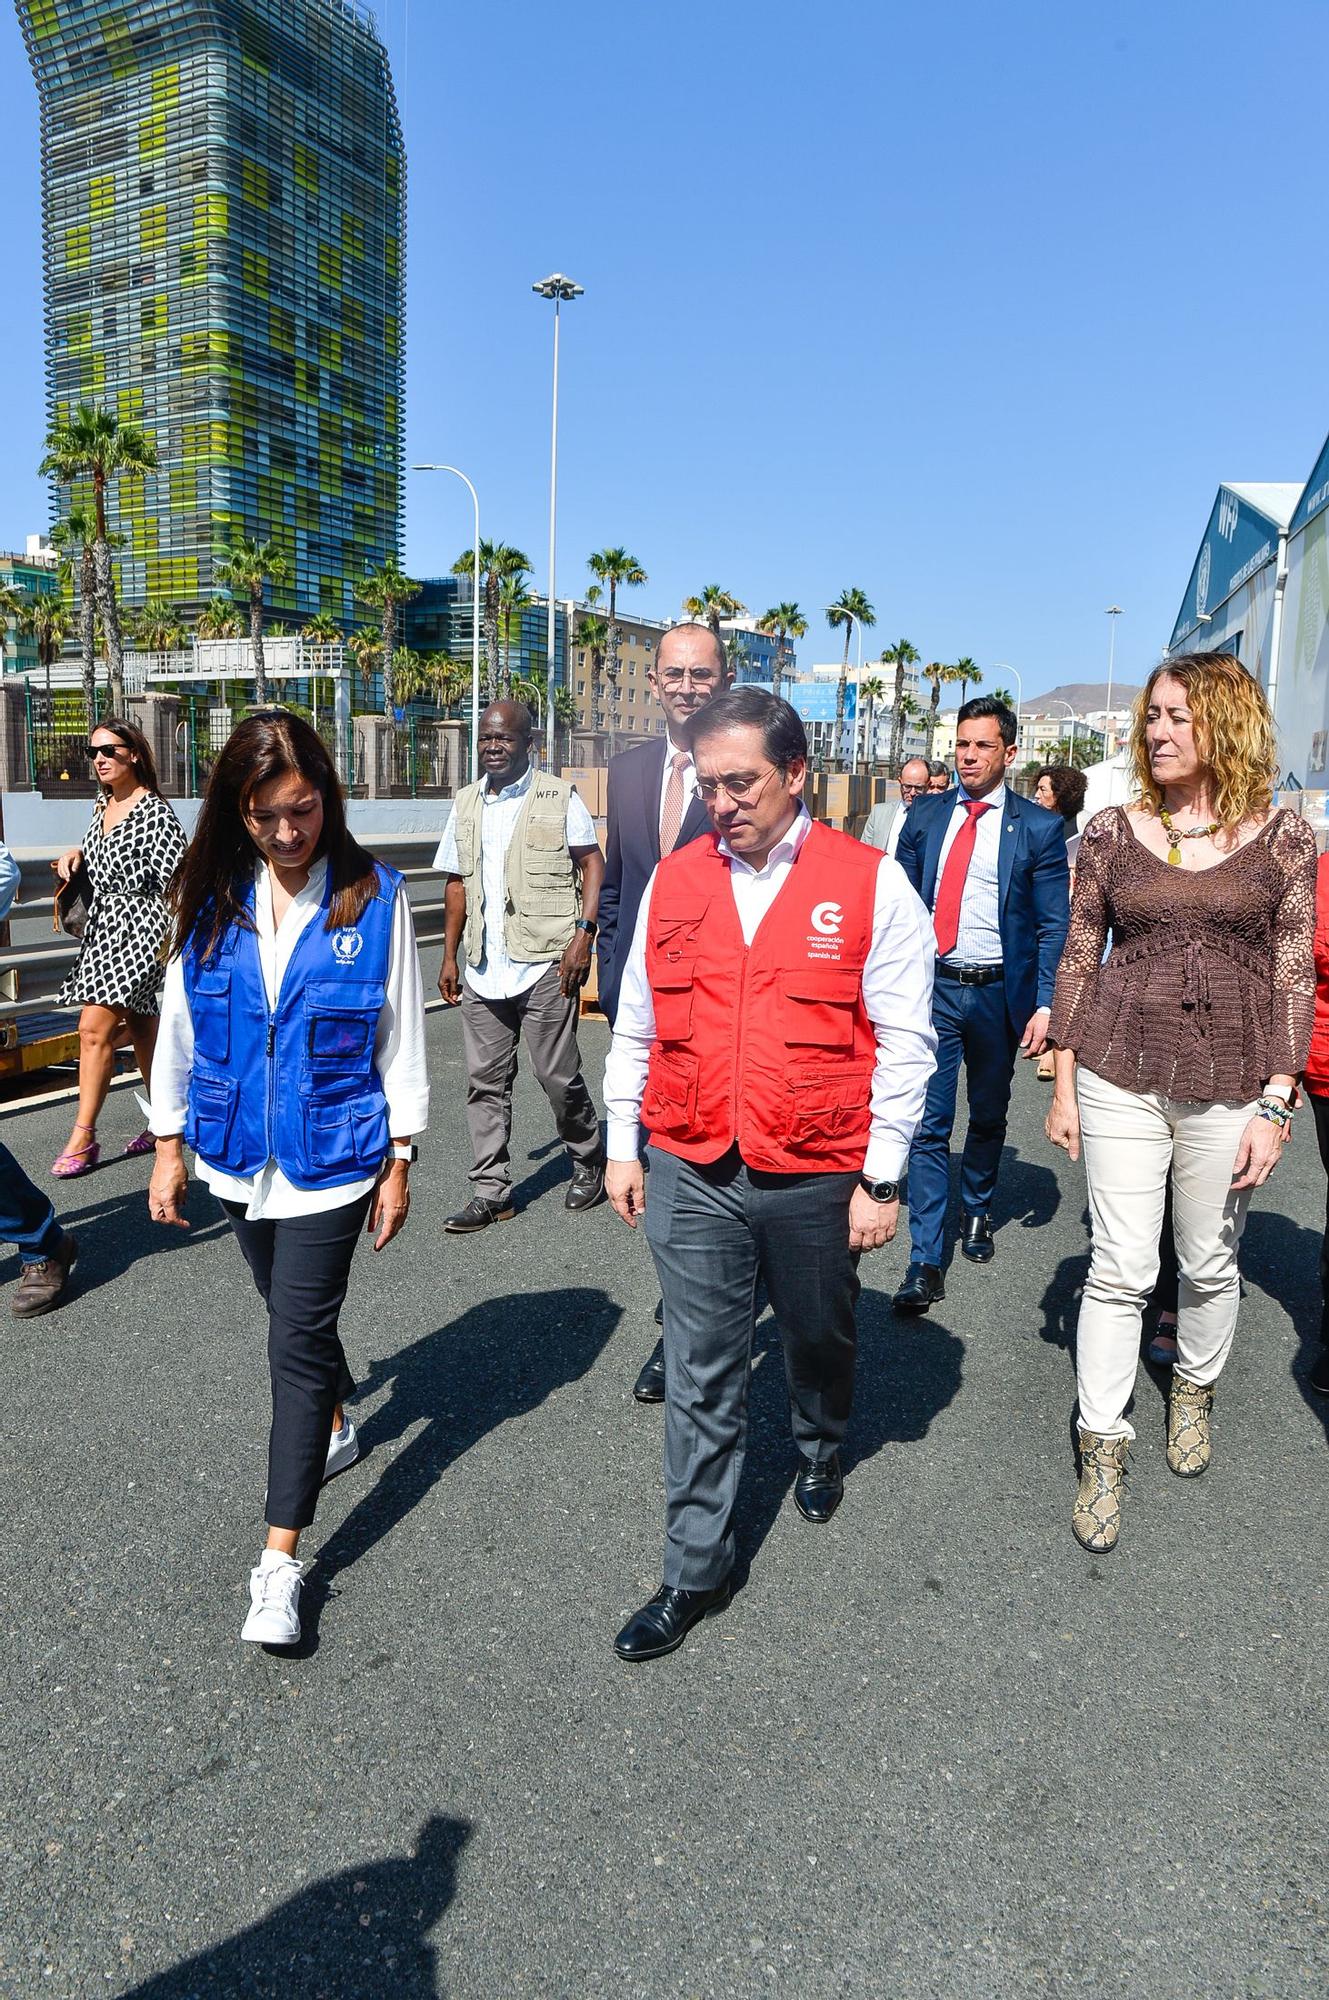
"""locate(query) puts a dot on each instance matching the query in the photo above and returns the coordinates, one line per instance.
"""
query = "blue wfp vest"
(296, 1083)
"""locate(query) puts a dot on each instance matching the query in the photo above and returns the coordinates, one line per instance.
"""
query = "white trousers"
(1131, 1141)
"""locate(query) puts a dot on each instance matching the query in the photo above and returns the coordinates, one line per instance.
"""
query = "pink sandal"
(76, 1160)
(145, 1143)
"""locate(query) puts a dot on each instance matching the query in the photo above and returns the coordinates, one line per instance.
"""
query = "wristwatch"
(585, 924)
(879, 1190)
(409, 1153)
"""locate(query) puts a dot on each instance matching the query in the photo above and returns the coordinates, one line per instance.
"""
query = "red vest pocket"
(828, 1104)
(672, 994)
(669, 1105)
(819, 1006)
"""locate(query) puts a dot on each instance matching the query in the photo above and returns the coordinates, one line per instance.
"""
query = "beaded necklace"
(1176, 836)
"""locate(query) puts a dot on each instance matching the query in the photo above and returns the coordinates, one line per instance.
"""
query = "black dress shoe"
(819, 1489)
(1320, 1373)
(478, 1214)
(922, 1288)
(666, 1621)
(649, 1386)
(588, 1187)
(659, 1312)
(976, 1239)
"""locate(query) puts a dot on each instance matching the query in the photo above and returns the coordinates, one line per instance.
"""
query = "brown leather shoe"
(1188, 1444)
(1096, 1515)
(42, 1285)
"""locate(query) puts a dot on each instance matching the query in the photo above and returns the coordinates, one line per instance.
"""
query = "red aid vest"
(768, 1044)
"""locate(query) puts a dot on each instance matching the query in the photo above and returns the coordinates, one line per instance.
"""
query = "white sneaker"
(343, 1450)
(274, 1601)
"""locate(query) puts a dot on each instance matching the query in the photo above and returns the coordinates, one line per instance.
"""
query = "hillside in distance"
(1085, 696)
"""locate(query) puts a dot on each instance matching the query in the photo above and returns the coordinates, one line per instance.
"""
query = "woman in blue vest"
(291, 1058)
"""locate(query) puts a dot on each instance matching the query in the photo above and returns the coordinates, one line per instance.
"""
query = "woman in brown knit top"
(1188, 1039)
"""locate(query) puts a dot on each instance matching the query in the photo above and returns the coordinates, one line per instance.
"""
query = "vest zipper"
(738, 1038)
(271, 1092)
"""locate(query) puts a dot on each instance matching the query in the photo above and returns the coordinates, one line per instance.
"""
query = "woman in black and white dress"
(131, 850)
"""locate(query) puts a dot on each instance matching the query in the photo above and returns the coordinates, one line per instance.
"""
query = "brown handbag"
(73, 903)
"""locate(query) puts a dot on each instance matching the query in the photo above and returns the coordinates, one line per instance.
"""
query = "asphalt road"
(932, 1749)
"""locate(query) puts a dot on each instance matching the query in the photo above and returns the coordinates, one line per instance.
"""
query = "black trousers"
(301, 1265)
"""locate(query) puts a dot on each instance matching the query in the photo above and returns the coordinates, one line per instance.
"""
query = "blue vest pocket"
(345, 1136)
(212, 1103)
(340, 1025)
(210, 1009)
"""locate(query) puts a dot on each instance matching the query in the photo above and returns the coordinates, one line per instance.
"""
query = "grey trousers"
(490, 1033)
(714, 1231)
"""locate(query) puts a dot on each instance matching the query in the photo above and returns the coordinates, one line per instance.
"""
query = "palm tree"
(532, 695)
(592, 634)
(94, 445)
(322, 630)
(497, 560)
(851, 607)
(366, 648)
(713, 605)
(513, 598)
(610, 567)
(245, 567)
(12, 605)
(785, 622)
(937, 675)
(79, 531)
(383, 589)
(158, 627)
(46, 616)
(448, 678)
(872, 691)
(565, 717)
(966, 671)
(219, 619)
(410, 674)
(901, 656)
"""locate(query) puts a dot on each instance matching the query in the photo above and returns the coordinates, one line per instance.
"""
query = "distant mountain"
(1084, 696)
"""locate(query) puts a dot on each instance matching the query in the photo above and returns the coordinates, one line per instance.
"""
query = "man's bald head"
(690, 668)
(505, 742)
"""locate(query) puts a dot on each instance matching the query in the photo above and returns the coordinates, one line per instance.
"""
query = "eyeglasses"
(740, 790)
(675, 678)
(910, 791)
(112, 750)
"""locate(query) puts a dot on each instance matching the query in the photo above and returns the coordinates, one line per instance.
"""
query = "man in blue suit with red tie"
(653, 807)
(991, 867)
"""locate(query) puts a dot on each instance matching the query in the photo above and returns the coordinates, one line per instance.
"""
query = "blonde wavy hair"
(1234, 734)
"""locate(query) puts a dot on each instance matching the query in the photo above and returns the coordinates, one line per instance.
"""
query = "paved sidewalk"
(932, 1749)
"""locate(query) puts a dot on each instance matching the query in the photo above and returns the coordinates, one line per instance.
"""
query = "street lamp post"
(475, 614)
(1071, 712)
(562, 291)
(1113, 614)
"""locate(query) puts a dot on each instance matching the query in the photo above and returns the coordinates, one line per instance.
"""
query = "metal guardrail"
(42, 955)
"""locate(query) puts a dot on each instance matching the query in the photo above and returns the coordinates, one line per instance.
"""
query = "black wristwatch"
(585, 924)
(880, 1190)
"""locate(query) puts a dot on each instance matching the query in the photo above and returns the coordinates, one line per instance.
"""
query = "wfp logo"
(827, 918)
(347, 946)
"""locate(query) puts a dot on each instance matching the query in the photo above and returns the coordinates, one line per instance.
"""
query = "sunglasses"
(113, 750)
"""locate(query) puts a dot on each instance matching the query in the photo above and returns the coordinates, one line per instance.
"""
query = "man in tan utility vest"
(524, 872)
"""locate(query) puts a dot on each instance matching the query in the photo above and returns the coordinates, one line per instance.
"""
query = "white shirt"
(498, 977)
(897, 993)
(399, 1049)
(689, 782)
(978, 941)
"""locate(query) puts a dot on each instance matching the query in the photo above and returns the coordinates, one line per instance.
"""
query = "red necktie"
(950, 893)
(671, 818)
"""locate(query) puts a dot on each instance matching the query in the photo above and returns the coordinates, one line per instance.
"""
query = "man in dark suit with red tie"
(991, 867)
(653, 807)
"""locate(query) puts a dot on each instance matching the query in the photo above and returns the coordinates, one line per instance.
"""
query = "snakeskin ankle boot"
(1096, 1516)
(1188, 1446)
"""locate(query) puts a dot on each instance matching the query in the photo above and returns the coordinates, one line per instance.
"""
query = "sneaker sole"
(344, 1462)
(249, 1638)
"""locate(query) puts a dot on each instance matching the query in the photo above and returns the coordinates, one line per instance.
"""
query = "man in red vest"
(774, 1037)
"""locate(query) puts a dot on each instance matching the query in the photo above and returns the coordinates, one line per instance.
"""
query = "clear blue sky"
(969, 306)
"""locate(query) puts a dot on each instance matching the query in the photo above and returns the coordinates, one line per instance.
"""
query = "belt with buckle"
(970, 975)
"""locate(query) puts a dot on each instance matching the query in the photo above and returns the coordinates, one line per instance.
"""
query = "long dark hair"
(139, 748)
(207, 896)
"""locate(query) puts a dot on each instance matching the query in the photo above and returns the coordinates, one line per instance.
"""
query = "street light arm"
(457, 473)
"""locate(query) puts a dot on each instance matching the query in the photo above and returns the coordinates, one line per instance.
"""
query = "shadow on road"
(907, 1373)
(114, 1233)
(359, 1934)
(500, 1360)
(1283, 1259)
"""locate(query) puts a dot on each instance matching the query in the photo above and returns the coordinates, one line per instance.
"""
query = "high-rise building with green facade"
(223, 189)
